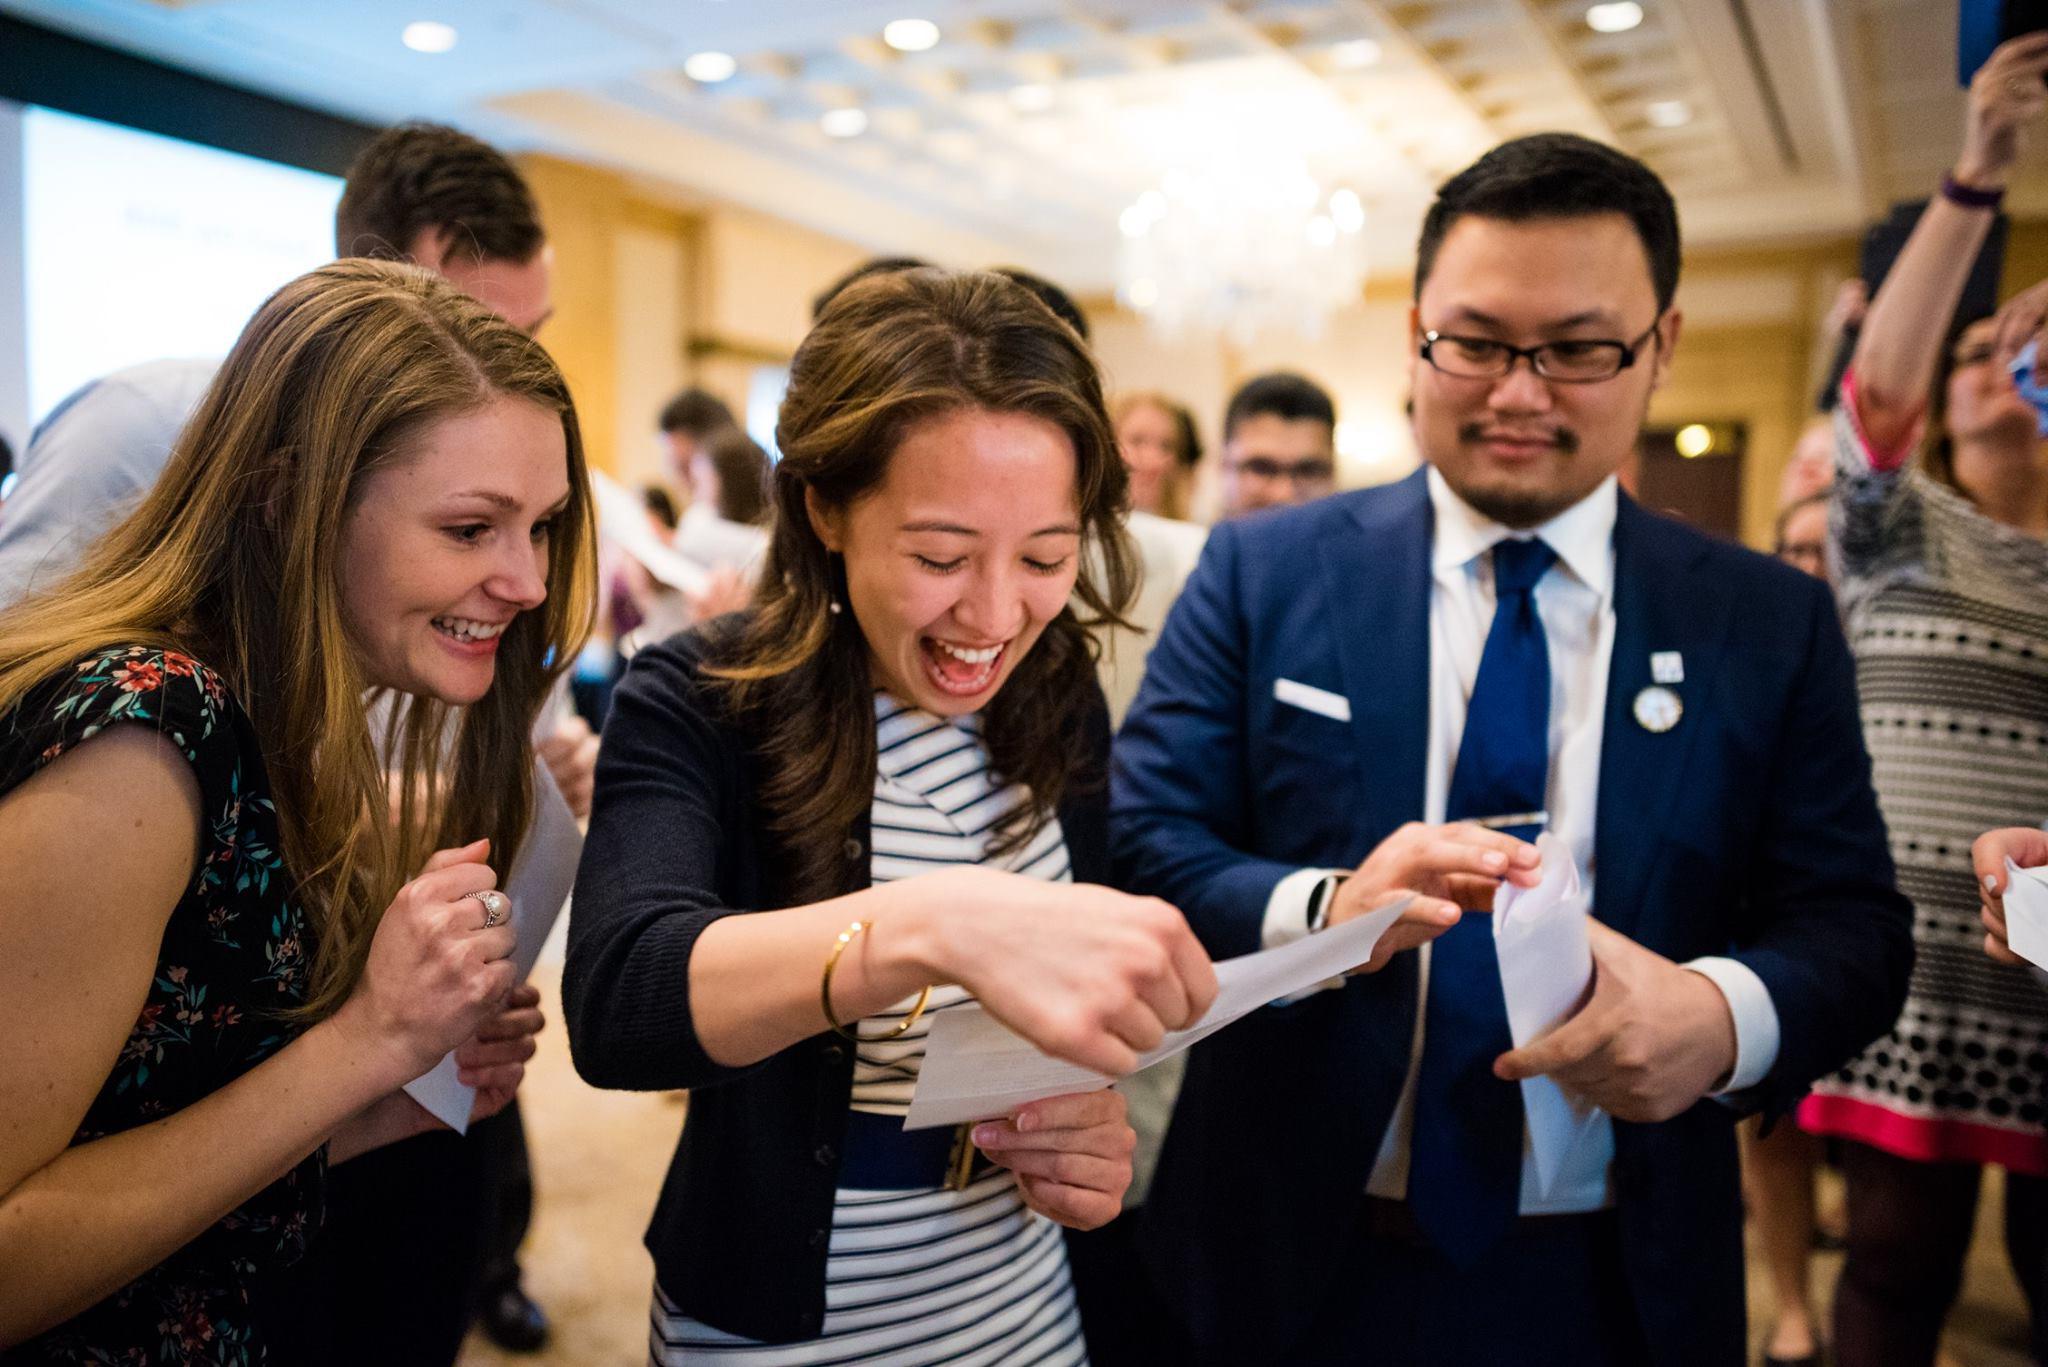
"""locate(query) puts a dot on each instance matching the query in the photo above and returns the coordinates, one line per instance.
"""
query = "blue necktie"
(1465, 1155)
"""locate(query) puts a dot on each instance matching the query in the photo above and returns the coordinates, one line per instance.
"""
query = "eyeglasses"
(1572, 362)
(1311, 471)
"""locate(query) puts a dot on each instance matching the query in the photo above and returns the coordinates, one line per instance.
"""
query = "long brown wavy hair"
(234, 557)
(889, 352)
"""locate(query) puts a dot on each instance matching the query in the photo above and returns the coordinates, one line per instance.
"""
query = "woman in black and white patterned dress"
(1942, 568)
(877, 795)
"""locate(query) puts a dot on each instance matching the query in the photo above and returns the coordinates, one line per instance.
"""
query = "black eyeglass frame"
(1630, 351)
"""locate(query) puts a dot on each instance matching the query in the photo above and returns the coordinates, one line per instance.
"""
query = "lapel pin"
(1667, 666)
(1658, 709)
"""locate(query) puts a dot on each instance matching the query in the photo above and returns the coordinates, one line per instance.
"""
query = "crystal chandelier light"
(1241, 249)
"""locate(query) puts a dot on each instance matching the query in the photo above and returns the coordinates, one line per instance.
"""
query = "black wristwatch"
(1320, 897)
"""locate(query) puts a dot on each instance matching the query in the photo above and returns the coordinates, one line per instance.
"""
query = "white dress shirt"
(1575, 599)
(89, 464)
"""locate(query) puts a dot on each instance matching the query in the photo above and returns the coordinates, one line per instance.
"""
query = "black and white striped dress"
(924, 1276)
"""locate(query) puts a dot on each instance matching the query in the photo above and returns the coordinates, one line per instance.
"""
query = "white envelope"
(1546, 964)
(2026, 912)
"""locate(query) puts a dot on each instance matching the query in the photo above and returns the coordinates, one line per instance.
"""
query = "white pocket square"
(1320, 701)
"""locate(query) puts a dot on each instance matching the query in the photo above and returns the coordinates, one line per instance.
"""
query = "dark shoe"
(1812, 1359)
(510, 1319)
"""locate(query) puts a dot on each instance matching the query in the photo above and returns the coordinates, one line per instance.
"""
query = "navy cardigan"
(678, 838)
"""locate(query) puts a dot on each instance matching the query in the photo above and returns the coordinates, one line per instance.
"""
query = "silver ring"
(494, 907)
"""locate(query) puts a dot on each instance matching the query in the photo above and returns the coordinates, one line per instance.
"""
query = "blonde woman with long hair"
(223, 947)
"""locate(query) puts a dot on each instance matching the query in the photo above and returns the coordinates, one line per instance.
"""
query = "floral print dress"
(235, 955)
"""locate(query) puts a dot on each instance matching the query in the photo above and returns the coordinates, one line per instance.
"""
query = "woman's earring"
(834, 607)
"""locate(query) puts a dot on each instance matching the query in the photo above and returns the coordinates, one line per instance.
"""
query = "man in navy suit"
(1398, 689)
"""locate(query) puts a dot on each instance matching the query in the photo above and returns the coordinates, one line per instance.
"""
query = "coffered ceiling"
(1030, 125)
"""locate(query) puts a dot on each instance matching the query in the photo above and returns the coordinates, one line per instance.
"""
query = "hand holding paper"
(1653, 1038)
(2012, 881)
(976, 1069)
(2026, 913)
(538, 887)
(1546, 964)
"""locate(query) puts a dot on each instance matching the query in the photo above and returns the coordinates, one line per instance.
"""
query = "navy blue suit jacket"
(1749, 830)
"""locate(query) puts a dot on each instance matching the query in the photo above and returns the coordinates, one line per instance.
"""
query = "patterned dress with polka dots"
(1947, 613)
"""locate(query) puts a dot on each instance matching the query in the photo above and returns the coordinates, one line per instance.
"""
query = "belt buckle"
(960, 1162)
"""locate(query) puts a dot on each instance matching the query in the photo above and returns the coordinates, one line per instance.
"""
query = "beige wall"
(651, 295)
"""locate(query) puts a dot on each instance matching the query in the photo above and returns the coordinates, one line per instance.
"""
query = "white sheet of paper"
(2026, 912)
(538, 889)
(975, 1069)
(622, 518)
(1546, 961)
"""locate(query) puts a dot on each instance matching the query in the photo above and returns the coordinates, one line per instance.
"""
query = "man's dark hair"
(419, 176)
(880, 265)
(1558, 175)
(1283, 394)
(662, 504)
(696, 413)
(6, 458)
(1058, 300)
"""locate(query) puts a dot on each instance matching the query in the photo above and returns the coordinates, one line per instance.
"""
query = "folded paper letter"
(976, 1069)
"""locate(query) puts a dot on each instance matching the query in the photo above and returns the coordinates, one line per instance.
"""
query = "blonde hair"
(1176, 489)
(234, 558)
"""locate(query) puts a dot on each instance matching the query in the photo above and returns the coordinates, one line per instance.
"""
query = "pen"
(1512, 819)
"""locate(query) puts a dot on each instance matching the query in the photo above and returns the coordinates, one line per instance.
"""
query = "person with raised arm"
(1939, 509)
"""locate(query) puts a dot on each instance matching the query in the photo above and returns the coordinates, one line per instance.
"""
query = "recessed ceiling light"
(911, 35)
(1669, 113)
(844, 123)
(1618, 17)
(1347, 210)
(1031, 98)
(1359, 52)
(427, 35)
(709, 68)
(1143, 294)
(1694, 439)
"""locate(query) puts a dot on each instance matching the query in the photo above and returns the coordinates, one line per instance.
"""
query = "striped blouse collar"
(910, 742)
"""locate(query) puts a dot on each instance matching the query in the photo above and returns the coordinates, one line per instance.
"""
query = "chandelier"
(1241, 248)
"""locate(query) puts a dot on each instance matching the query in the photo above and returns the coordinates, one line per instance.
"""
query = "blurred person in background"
(1800, 535)
(1279, 444)
(723, 474)
(1154, 434)
(687, 422)
(879, 265)
(1052, 296)
(1779, 1168)
(1943, 580)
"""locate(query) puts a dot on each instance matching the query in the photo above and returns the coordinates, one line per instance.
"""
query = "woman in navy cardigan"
(878, 795)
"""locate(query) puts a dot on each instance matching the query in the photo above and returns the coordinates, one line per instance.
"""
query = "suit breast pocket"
(1303, 775)
(1310, 735)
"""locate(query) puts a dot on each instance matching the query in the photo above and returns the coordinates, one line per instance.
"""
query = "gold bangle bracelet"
(846, 938)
